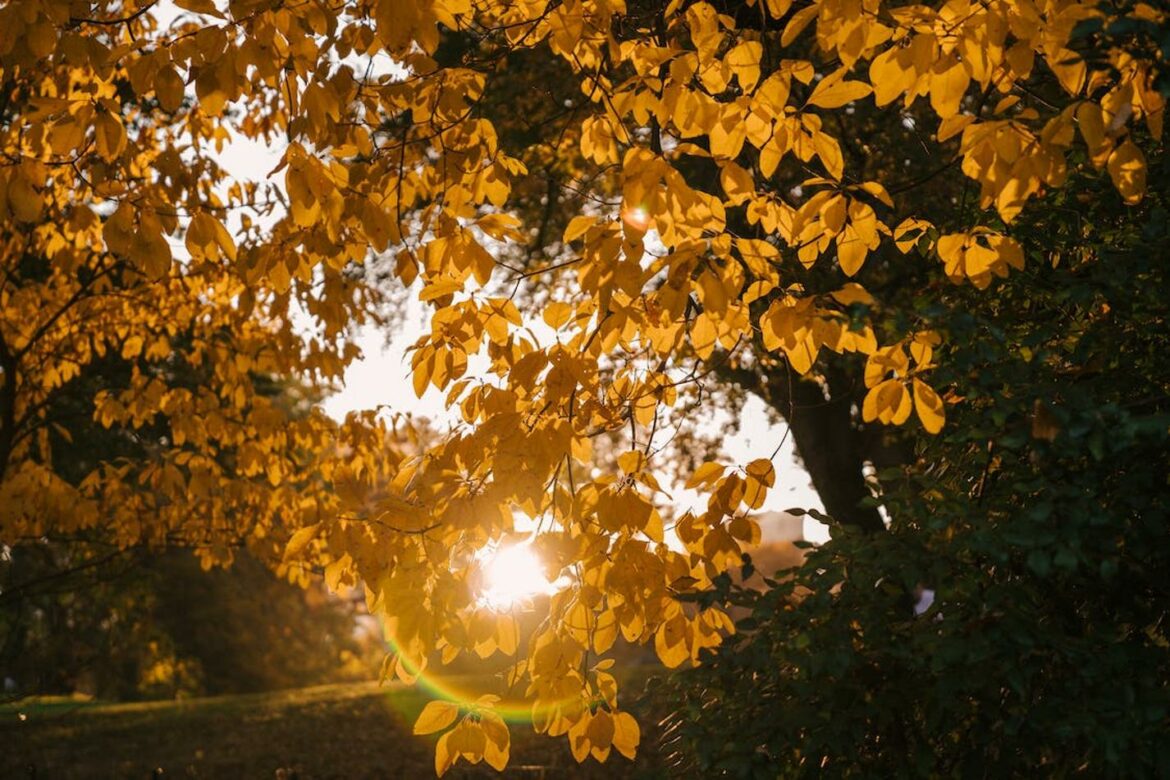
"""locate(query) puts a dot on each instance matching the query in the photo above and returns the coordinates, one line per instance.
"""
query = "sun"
(637, 217)
(512, 575)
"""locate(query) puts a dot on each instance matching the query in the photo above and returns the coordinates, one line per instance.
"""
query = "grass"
(355, 730)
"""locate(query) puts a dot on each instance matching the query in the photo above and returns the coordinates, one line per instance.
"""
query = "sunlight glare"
(512, 575)
(637, 217)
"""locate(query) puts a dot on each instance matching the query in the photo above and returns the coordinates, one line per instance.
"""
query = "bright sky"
(383, 377)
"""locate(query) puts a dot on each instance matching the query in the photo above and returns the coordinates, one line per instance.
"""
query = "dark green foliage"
(154, 625)
(1041, 519)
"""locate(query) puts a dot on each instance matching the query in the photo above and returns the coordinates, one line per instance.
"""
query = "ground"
(334, 731)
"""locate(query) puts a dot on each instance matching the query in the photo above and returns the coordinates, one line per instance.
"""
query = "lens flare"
(510, 578)
(513, 575)
(636, 217)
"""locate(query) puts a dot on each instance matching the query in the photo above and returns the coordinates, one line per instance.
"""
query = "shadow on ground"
(333, 731)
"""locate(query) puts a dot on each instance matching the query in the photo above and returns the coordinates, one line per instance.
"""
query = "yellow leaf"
(631, 462)
(169, 89)
(888, 402)
(851, 293)
(1009, 251)
(729, 133)
(745, 529)
(25, 202)
(436, 716)
(378, 227)
(929, 407)
(211, 91)
(893, 72)
(777, 8)
(802, 356)
(798, 22)
(1127, 168)
(829, 151)
(737, 183)
(149, 249)
(439, 288)
(705, 474)
(744, 60)
(1070, 70)
(883, 361)
(300, 540)
(500, 226)
(577, 227)
(670, 644)
(762, 471)
(600, 733)
(578, 742)
(110, 136)
(833, 213)
(869, 409)
(878, 191)
(703, 336)
(897, 403)
(423, 370)
(200, 7)
(754, 494)
(605, 633)
(498, 744)
(907, 233)
(626, 734)
(921, 351)
(953, 125)
(951, 246)
(653, 527)
(851, 251)
(557, 314)
(132, 347)
(444, 758)
(947, 88)
(833, 91)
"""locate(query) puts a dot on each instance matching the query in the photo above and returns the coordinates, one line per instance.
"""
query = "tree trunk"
(832, 449)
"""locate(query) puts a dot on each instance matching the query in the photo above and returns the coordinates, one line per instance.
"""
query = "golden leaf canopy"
(595, 200)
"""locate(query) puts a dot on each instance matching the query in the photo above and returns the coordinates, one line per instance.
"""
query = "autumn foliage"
(601, 203)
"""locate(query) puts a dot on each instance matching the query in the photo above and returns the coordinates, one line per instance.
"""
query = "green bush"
(1040, 518)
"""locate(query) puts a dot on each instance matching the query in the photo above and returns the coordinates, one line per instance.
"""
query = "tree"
(78, 612)
(1037, 520)
(757, 192)
(151, 624)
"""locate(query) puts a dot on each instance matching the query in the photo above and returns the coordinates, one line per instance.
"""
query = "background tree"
(80, 613)
(157, 625)
(153, 391)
